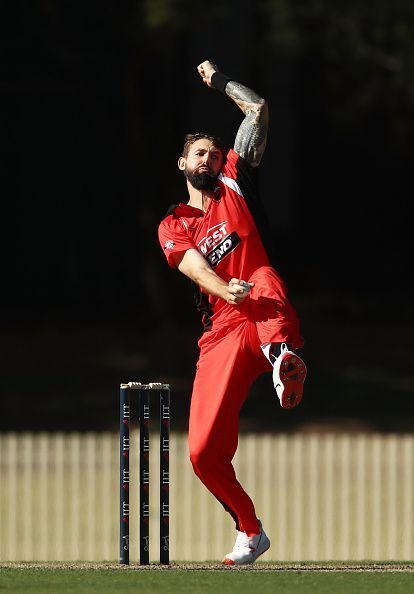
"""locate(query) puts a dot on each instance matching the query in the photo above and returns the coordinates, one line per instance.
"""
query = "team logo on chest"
(218, 243)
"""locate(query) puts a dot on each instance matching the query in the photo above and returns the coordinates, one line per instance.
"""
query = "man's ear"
(181, 163)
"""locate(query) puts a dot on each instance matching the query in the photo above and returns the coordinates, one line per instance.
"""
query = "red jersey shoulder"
(237, 175)
(174, 237)
(229, 165)
(234, 165)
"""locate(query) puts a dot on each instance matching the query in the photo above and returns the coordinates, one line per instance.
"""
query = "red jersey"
(226, 235)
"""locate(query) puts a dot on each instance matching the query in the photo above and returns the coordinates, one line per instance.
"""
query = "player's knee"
(201, 457)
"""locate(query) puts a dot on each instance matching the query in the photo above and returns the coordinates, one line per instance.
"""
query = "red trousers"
(230, 360)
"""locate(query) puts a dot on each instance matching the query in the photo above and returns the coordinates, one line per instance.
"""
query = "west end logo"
(212, 239)
(223, 249)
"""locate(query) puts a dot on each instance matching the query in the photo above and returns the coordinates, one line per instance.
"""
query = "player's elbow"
(192, 270)
(199, 275)
(262, 110)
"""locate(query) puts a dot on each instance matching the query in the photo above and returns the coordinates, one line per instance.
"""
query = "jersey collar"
(185, 210)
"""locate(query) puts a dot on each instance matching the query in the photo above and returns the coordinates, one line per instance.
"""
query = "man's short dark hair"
(190, 139)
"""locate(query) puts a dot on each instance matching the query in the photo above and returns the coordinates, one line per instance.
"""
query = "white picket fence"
(320, 497)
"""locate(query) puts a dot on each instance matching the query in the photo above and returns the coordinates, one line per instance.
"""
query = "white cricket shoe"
(247, 548)
(289, 373)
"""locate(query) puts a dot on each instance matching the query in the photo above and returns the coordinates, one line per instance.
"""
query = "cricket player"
(218, 238)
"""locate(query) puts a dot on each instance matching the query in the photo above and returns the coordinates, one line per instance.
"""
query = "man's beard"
(201, 181)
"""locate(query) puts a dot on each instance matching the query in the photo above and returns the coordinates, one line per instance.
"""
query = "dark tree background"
(95, 101)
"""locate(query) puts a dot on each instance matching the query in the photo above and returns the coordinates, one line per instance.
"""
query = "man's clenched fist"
(206, 70)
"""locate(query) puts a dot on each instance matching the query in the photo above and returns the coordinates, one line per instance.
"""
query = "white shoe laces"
(269, 355)
(242, 542)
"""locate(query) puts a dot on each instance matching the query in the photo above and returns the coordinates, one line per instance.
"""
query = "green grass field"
(263, 578)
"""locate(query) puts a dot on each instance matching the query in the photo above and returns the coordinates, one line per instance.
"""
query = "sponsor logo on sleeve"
(169, 245)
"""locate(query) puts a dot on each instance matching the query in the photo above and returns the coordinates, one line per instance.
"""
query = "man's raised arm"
(250, 141)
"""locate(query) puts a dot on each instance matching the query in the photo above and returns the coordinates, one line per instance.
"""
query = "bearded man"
(218, 238)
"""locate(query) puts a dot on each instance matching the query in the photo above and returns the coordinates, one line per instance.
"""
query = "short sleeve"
(242, 173)
(173, 238)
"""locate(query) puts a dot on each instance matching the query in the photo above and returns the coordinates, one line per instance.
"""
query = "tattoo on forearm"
(251, 137)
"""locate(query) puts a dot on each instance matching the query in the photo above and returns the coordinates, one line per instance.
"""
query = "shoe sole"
(292, 374)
